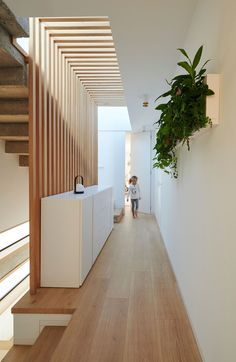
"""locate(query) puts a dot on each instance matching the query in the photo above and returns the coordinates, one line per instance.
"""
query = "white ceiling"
(146, 35)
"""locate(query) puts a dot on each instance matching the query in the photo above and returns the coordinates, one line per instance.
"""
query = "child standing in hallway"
(134, 195)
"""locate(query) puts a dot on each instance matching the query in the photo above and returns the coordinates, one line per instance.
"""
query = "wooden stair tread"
(41, 351)
(14, 131)
(23, 160)
(13, 91)
(18, 147)
(13, 75)
(49, 301)
(46, 344)
(118, 215)
(17, 354)
(118, 211)
(8, 118)
(13, 106)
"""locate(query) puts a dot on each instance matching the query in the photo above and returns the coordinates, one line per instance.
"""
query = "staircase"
(14, 276)
(14, 115)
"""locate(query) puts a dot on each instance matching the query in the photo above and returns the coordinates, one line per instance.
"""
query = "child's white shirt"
(134, 192)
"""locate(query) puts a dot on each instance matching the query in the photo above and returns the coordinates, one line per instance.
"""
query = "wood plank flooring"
(129, 308)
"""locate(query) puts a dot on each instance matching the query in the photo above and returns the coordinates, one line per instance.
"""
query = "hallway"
(129, 308)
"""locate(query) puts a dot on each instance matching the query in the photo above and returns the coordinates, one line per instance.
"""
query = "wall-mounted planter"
(213, 102)
(193, 105)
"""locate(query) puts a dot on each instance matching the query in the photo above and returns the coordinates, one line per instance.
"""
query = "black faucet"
(75, 183)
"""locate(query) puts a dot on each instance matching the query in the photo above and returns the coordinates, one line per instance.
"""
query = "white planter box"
(213, 102)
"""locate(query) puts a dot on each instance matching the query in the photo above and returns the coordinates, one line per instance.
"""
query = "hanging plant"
(183, 114)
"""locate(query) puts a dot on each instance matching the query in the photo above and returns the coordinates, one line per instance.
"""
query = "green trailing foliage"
(183, 114)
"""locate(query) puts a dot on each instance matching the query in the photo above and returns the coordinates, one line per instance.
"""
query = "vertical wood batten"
(62, 120)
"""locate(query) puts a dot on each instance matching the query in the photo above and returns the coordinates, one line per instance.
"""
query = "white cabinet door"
(102, 220)
(86, 246)
(59, 244)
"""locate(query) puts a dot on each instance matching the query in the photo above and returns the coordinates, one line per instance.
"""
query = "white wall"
(141, 167)
(113, 122)
(111, 163)
(14, 194)
(198, 211)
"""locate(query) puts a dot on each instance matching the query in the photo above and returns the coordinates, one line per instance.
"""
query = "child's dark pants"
(134, 203)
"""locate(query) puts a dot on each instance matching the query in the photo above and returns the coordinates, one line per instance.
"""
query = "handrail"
(13, 235)
(9, 291)
(15, 242)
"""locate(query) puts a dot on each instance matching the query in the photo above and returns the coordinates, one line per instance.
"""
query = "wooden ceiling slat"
(83, 41)
(105, 81)
(82, 50)
(91, 56)
(80, 38)
(88, 48)
(93, 66)
(95, 71)
(75, 19)
(82, 34)
(79, 27)
(66, 46)
(81, 62)
(98, 52)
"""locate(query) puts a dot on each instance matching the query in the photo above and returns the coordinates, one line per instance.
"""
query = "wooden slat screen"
(63, 115)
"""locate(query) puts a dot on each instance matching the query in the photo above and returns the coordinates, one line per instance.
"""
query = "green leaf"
(197, 57)
(164, 95)
(181, 77)
(186, 66)
(204, 65)
(161, 107)
(184, 53)
(210, 92)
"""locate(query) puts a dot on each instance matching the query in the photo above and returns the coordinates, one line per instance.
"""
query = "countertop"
(89, 191)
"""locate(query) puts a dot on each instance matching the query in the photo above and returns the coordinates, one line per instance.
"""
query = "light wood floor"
(129, 309)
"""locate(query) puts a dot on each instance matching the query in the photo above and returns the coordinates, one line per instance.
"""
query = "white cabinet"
(74, 230)
(102, 220)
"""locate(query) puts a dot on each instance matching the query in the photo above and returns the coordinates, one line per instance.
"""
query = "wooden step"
(8, 118)
(14, 131)
(13, 75)
(18, 147)
(41, 351)
(13, 106)
(17, 354)
(13, 91)
(24, 161)
(118, 215)
(45, 345)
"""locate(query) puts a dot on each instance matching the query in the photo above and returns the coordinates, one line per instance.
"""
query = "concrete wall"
(197, 212)
(14, 194)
